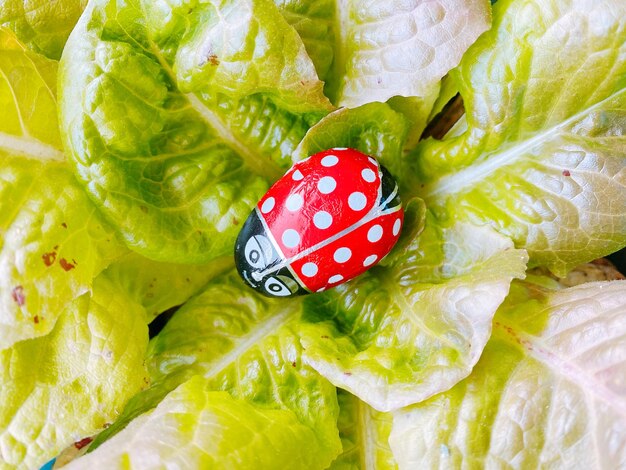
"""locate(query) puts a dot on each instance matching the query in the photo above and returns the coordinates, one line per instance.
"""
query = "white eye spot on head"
(294, 202)
(268, 205)
(368, 175)
(330, 160)
(297, 175)
(396, 227)
(335, 278)
(326, 185)
(276, 287)
(291, 238)
(371, 259)
(322, 220)
(357, 201)
(309, 269)
(372, 161)
(375, 233)
(258, 252)
(342, 255)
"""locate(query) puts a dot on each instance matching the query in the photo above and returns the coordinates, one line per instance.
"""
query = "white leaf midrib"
(261, 166)
(536, 348)
(368, 440)
(466, 177)
(261, 330)
(30, 147)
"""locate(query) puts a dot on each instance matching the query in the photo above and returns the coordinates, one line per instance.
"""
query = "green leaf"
(364, 435)
(417, 110)
(52, 240)
(40, 24)
(173, 158)
(372, 52)
(314, 20)
(158, 287)
(547, 392)
(28, 102)
(374, 129)
(55, 244)
(236, 48)
(71, 383)
(542, 159)
(247, 345)
(404, 332)
(399, 48)
(199, 428)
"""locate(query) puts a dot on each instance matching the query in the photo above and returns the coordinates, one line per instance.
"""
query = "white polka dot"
(322, 220)
(309, 269)
(326, 185)
(396, 227)
(335, 278)
(268, 205)
(342, 255)
(372, 161)
(330, 160)
(291, 238)
(371, 259)
(297, 175)
(294, 202)
(357, 201)
(375, 233)
(368, 175)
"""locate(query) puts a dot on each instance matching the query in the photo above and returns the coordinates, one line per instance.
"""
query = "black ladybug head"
(258, 261)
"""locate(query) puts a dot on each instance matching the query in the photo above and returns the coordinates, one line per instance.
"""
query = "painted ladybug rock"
(329, 219)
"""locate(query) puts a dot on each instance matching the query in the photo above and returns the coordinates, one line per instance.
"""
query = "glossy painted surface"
(327, 220)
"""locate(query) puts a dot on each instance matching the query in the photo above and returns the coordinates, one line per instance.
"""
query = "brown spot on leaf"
(49, 258)
(36, 319)
(143, 209)
(64, 225)
(18, 295)
(212, 59)
(83, 442)
(66, 265)
(294, 364)
(324, 336)
(566, 173)
(347, 373)
(235, 221)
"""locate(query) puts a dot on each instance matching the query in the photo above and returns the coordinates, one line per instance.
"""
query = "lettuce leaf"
(71, 383)
(40, 24)
(247, 345)
(194, 427)
(547, 392)
(367, 51)
(168, 143)
(53, 242)
(542, 160)
(364, 435)
(29, 123)
(402, 333)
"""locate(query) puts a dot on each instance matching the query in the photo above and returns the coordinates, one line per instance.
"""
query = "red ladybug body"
(327, 220)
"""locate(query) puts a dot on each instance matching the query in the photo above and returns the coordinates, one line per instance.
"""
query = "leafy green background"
(175, 117)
